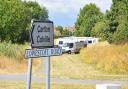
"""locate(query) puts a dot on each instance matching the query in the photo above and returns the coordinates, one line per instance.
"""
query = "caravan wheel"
(69, 52)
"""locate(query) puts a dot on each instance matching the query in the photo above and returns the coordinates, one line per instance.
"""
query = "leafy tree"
(118, 16)
(89, 15)
(113, 27)
(60, 28)
(121, 35)
(15, 18)
(37, 12)
(66, 32)
(101, 29)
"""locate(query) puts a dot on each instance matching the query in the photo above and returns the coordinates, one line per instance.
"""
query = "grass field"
(71, 66)
(65, 66)
(22, 85)
(12, 58)
(112, 59)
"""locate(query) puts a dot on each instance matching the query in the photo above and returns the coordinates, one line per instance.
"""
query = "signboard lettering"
(42, 34)
(31, 53)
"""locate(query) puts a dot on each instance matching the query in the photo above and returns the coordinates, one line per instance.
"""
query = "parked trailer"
(61, 41)
(87, 40)
(74, 44)
(72, 47)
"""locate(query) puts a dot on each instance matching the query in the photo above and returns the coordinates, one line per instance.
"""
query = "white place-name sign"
(32, 53)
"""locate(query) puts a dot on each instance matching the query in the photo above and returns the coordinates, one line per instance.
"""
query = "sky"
(65, 12)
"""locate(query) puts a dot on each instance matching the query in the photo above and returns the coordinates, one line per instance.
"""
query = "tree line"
(63, 32)
(16, 16)
(15, 19)
(111, 26)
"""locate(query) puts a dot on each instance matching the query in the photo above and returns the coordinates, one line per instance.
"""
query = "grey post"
(29, 74)
(47, 67)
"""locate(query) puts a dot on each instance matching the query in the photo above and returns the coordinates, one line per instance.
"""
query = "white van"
(72, 47)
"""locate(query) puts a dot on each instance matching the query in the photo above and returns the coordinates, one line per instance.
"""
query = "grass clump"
(12, 58)
(12, 51)
(109, 58)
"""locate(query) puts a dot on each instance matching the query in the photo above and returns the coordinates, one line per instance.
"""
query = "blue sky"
(64, 12)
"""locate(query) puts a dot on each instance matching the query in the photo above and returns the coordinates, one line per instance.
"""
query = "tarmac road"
(59, 80)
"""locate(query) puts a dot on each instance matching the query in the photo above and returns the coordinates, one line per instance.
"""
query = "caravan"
(72, 47)
(74, 44)
(87, 40)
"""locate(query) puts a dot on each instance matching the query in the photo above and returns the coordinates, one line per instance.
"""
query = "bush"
(108, 58)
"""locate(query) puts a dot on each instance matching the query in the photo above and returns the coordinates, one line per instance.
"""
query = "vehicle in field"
(88, 40)
(74, 44)
(72, 47)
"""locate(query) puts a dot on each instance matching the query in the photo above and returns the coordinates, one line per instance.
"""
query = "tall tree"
(89, 15)
(118, 16)
(37, 12)
(101, 29)
(15, 18)
(60, 29)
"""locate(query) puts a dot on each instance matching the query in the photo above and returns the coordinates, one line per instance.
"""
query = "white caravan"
(86, 40)
(72, 47)
(74, 44)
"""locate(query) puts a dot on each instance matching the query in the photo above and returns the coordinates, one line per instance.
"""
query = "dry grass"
(13, 51)
(72, 66)
(68, 66)
(65, 66)
(8, 65)
(22, 85)
(12, 58)
(106, 57)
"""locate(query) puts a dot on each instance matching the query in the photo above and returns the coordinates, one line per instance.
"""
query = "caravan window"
(70, 45)
(65, 45)
(60, 42)
(89, 41)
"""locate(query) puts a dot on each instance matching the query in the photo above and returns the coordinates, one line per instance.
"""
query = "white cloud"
(65, 6)
(69, 9)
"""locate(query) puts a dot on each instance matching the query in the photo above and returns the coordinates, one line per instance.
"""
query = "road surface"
(59, 80)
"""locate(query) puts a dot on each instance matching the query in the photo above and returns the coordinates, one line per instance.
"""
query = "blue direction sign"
(46, 52)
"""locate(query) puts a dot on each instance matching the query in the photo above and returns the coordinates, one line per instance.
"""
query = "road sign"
(32, 53)
(42, 34)
(42, 44)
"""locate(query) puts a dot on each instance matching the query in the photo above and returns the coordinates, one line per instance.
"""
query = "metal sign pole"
(29, 74)
(47, 67)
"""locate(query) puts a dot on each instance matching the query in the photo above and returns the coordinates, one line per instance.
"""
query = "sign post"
(47, 65)
(42, 44)
(29, 74)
